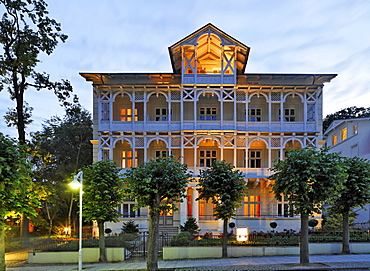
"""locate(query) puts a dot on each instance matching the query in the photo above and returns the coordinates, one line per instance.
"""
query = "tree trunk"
(152, 263)
(345, 240)
(224, 239)
(2, 249)
(24, 234)
(303, 247)
(102, 252)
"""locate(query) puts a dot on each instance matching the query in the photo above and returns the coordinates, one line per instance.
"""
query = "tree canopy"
(26, 30)
(159, 184)
(16, 186)
(308, 177)
(354, 193)
(226, 188)
(346, 113)
(102, 187)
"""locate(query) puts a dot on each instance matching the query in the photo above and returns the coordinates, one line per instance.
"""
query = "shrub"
(181, 240)
(190, 226)
(130, 227)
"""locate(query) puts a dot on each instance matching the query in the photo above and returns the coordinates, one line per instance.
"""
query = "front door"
(166, 218)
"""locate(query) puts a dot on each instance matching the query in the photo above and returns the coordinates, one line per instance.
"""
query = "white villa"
(208, 108)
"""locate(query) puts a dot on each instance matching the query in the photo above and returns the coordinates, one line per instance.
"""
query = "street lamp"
(78, 184)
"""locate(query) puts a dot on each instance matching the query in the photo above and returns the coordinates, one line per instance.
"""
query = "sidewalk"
(318, 262)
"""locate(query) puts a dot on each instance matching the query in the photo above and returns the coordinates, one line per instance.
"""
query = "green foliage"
(355, 192)
(16, 187)
(130, 227)
(224, 186)
(102, 188)
(25, 32)
(110, 241)
(182, 239)
(307, 177)
(190, 226)
(347, 113)
(334, 222)
(159, 183)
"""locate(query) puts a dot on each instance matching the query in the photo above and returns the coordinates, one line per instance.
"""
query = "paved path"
(318, 262)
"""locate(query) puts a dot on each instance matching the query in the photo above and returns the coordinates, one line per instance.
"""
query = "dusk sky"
(285, 36)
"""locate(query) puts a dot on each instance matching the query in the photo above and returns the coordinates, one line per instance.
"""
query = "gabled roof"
(242, 52)
(336, 123)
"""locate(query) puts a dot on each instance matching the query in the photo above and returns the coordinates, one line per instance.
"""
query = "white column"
(183, 211)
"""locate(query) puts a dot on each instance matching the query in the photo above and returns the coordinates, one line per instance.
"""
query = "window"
(161, 153)
(355, 131)
(126, 114)
(127, 159)
(105, 111)
(343, 134)
(161, 114)
(254, 158)
(208, 113)
(105, 154)
(289, 114)
(206, 158)
(285, 209)
(335, 140)
(255, 114)
(128, 210)
(252, 206)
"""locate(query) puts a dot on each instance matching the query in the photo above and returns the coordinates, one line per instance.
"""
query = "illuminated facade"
(351, 138)
(208, 108)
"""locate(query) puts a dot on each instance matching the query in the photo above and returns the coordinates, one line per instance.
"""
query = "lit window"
(343, 134)
(252, 206)
(208, 113)
(255, 114)
(126, 114)
(355, 131)
(254, 159)
(161, 114)
(335, 140)
(206, 158)
(127, 159)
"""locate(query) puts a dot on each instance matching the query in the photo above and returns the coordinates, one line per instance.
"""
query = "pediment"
(210, 42)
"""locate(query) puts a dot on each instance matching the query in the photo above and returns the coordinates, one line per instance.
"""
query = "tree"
(307, 177)
(25, 32)
(16, 187)
(60, 149)
(347, 113)
(354, 193)
(225, 187)
(159, 184)
(190, 226)
(102, 193)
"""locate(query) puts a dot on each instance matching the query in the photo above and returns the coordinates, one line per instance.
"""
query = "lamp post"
(78, 184)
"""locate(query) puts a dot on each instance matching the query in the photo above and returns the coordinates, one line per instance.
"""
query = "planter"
(172, 253)
(89, 255)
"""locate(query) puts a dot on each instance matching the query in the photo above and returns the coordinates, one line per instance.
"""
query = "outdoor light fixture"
(78, 184)
(242, 234)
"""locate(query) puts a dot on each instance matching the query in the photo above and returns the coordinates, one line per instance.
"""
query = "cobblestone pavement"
(318, 262)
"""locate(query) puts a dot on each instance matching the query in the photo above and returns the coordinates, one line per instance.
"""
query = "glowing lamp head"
(75, 184)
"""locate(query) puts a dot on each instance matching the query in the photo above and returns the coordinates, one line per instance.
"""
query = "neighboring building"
(208, 108)
(350, 138)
